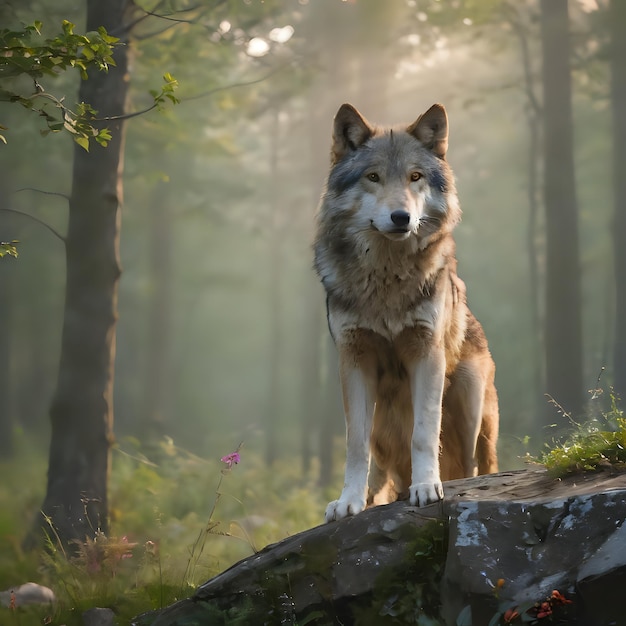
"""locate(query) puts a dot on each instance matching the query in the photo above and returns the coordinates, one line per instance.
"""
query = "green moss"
(410, 594)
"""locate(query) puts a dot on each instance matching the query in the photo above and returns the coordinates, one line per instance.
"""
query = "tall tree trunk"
(6, 396)
(157, 399)
(376, 64)
(274, 292)
(334, 80)
(533, 117)
(313, 327)
(81, 413)
(563, 330)
(617, 15)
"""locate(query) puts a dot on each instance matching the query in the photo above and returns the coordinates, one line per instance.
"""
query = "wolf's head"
(392, 182)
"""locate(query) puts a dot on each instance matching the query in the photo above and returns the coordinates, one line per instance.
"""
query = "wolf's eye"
(374, 177)
(415, 176)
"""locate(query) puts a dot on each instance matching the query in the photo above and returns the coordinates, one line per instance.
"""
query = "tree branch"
(174, 19)
(235, 85)
(56, 233)
(126, 116)
(154, 33)
(126, 28)
(43, 191)
(205, 94)
(146, 14)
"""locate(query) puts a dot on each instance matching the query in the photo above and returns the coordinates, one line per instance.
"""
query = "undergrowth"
(599, 443)
(176, 520)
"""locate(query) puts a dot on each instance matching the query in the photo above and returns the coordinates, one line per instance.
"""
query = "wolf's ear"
(431, 128)
(350, 131)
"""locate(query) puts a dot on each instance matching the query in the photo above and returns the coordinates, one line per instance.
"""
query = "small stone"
(99, 617)
(28, 593)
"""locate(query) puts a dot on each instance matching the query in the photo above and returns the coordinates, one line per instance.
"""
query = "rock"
(602, 578)
(98, 617)
(529, 548)
(516, 542)
(28, 593)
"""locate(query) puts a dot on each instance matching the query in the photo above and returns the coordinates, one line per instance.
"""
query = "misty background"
(221, 336)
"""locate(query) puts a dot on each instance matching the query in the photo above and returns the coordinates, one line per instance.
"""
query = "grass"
(176, 521)
(599, 443)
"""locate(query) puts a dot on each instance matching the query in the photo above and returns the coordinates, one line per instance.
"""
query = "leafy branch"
(21, 56)
(160, 100)
(53, 56)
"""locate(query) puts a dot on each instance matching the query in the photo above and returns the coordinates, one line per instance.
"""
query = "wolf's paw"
(421, 494)
(338, 509)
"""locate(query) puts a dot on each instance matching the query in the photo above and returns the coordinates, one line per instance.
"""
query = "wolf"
(416, 373)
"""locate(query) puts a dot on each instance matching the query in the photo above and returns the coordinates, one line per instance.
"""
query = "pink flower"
(129, 554)
(231, 459)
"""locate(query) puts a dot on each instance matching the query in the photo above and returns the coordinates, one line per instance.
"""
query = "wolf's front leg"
(427, 383)
(358, 402)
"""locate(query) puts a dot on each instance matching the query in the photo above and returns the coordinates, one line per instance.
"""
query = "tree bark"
(275, 304)
(617, 21)
(6, 411)
(563, 326)
(6, 395)
(533, 112)
(81, 413)
(157, 403)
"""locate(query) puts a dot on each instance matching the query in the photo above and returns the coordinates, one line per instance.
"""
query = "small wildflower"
(544, 610)
(128, 553)
(559, 598)
(231, 459)
(12, 601)
(498, 587)
(510, 615)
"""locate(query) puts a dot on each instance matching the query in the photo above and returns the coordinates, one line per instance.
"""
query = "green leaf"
(8, 248)
(68, 27)
(83, 142)
(103, 138)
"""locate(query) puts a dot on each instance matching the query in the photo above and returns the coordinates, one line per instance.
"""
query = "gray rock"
(98, 617)
(532, 548)
(510, 540)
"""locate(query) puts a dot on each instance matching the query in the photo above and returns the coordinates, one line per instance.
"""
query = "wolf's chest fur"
(385, 286)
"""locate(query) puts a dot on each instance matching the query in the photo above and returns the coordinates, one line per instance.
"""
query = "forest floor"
(176, 521)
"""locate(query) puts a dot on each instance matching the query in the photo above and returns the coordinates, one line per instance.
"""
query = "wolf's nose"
(400, 218)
